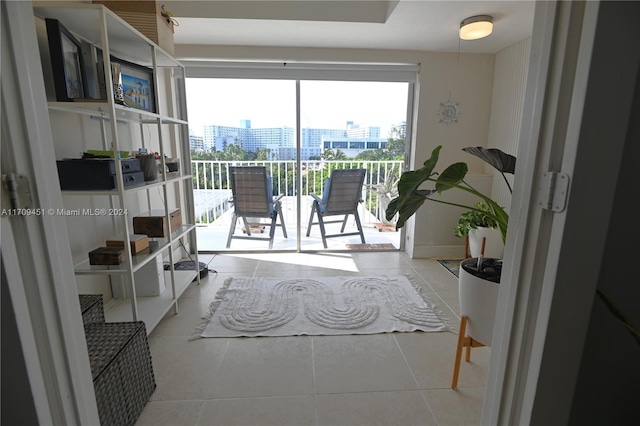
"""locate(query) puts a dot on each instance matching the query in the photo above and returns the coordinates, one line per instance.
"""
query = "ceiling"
(363, 24)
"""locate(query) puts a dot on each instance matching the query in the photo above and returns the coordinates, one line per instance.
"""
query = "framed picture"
(138, 90)
(66, 62)
(95, 86)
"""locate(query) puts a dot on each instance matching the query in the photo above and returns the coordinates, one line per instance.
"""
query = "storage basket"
(91, 308)
(121, 369)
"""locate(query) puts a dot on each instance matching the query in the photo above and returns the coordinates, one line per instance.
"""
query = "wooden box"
(138, 242)
(145, 17)
(153, 223)
(106, 256)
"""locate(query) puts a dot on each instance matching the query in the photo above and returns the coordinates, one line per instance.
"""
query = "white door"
(579, 121)
(36, 260)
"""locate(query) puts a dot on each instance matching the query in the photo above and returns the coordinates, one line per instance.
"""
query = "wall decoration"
(449, 112)
(138, 90)
(66, 62)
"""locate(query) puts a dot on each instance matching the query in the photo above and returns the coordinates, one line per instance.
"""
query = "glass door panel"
(241, 122)
(352, 125)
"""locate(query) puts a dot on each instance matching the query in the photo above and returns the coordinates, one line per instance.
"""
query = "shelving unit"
(106, 31)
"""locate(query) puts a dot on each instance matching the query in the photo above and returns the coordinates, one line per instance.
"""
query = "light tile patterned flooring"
(382, 379)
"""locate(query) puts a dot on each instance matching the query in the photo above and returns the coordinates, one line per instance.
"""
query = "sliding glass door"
(241, 122)
(300, 131)
(352, 125)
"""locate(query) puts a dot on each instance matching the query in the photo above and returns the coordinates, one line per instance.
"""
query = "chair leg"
(284, 228)
(456, 365)
(355, 213)
(313, 210)
(322, 230)
(232, 229)
(344, 223)
(247, 228)
(272, 231)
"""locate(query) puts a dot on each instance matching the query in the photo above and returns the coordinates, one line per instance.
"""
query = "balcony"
(212, 192)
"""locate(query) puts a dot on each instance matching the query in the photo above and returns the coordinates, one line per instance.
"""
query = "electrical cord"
(191, 259)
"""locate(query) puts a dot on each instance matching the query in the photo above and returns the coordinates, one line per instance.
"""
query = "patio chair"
(340, 196)
(253, 199)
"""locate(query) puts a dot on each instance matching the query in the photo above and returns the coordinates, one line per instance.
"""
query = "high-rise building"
(280, 141)
(196, 143)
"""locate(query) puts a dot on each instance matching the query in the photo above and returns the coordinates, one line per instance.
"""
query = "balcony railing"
(212, 187)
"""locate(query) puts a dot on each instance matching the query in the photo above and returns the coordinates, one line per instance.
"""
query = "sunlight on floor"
(340, 261)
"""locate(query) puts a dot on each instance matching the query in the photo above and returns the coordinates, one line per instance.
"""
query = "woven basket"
(91, 308)
(121, 368)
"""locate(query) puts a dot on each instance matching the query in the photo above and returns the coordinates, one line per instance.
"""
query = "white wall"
(509, 82)
(466, 79)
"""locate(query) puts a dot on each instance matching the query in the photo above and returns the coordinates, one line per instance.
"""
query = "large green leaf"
(410, 205)
(451, 177)
(392, 209)
(411, 198)
(410, 182)
(505, 163)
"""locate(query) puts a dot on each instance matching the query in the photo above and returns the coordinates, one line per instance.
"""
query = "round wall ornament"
(449, 112)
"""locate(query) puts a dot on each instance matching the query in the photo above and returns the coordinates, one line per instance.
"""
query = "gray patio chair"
(253, 199)
(341, 195)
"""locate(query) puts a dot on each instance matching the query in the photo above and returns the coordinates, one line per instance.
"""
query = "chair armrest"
(315, 197)
(277, 198)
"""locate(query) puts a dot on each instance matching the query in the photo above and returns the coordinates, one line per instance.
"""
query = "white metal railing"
(212, 187)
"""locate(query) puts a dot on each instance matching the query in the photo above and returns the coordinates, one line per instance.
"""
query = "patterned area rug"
(452, 266)
(322, 306)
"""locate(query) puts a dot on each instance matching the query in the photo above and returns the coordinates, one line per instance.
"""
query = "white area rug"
(321, 306)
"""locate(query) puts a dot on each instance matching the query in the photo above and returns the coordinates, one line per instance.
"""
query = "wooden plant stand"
(463, 342)
(382, 227)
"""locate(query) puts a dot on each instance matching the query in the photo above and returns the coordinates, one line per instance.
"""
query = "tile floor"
(383, 379)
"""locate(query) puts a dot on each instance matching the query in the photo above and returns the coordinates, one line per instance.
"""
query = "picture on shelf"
(66, 62)
(137, 85)
(95, 87)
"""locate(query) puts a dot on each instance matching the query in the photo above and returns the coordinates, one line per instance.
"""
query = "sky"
(271, 103)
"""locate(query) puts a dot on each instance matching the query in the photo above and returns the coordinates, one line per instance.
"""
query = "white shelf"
(106, 31)
(151, 309)
(85, 21)
(114, 192)
(101, 108)
(156, 247)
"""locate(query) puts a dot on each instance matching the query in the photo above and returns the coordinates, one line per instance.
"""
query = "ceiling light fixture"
(476, 27)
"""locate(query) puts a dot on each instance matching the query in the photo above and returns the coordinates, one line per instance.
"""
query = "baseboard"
(443, 252)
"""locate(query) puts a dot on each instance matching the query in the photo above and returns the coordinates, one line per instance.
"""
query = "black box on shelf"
(97, 173)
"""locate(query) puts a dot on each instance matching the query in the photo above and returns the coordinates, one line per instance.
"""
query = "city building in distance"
(280, 141)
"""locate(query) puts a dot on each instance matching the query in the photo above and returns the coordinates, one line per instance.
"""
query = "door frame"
(35, 248)
(572, 104)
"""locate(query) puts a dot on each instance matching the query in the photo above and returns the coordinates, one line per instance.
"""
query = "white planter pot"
(494, 247)
(478, 301)
(384, 203)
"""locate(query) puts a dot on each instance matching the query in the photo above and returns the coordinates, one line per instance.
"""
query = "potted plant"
(479, 278)
(474, 225)
(386, 191)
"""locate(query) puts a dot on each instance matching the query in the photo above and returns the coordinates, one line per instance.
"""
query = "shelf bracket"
(553, 191)
(16, 193)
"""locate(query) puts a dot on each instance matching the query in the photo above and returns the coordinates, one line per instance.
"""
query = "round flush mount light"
(476, 27)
